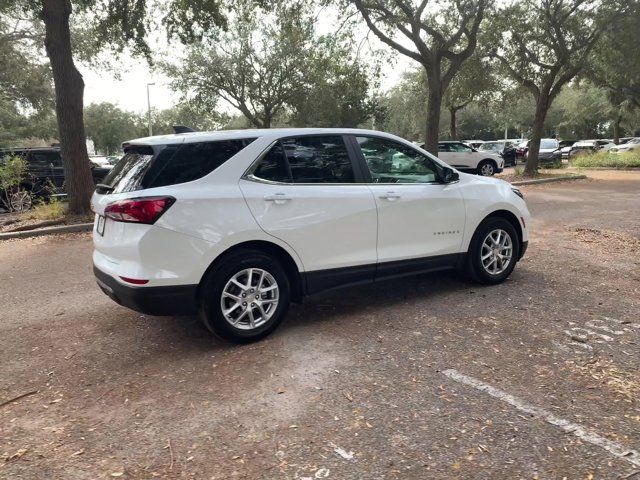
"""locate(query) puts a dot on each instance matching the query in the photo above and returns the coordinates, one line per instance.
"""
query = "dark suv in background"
(45, 171)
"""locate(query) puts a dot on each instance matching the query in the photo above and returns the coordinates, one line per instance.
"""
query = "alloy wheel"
(20, 201)
(250, 298)
(496, 252)
(487, 170)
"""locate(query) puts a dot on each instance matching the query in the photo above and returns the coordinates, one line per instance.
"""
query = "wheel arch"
(509, 217)
(287, 261)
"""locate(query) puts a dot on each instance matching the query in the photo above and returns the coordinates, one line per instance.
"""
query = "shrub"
(608, 160)
(53, 210)
(13, 170)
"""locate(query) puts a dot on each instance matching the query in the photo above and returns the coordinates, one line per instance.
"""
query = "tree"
(544, 44)
(337, 90)
(190, 114)
(108, 126)
(272, 68)
(474, 81)
(26, 93)
(403, 109)
(584, 111)
(444, 38)
(616, 66)
(118, 23)
(257, 66)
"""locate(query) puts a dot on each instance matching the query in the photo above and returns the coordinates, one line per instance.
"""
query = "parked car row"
(45, 175)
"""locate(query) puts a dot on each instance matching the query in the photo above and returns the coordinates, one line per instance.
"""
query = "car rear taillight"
(138, 210)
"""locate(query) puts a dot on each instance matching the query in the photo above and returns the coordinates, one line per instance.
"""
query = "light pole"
(149, 106)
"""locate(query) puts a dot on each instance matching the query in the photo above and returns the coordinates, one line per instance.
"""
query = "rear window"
(140, 169)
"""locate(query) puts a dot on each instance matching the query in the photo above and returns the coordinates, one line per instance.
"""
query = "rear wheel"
(494, 251)
(487, 168)
(246, 297)
(20, 201)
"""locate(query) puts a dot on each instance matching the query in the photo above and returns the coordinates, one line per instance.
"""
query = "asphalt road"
(425, 377)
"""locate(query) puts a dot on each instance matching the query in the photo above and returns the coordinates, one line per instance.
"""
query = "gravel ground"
(370, 382)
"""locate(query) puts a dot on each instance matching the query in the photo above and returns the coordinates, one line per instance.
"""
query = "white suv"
(234, 225)
(465, 158)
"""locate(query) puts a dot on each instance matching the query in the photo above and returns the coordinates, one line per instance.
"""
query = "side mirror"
(449, 175)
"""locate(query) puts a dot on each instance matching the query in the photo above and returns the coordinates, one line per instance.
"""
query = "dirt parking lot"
(426, 377)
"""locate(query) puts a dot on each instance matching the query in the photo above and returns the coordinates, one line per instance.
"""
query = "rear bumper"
(165, 300)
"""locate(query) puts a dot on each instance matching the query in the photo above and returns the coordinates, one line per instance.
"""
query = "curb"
(78, 227)
(549, 180)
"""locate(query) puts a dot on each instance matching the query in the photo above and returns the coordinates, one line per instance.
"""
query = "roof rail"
(182, 129)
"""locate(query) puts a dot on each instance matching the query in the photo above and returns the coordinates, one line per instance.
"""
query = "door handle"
(278, 198)
(390, 196)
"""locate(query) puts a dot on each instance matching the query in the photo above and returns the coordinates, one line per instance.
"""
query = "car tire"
(480, 266)
(243, 285)
(487, 168)
(20, 201)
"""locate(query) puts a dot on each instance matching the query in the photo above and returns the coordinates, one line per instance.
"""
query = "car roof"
(218, 135)
(30, 149)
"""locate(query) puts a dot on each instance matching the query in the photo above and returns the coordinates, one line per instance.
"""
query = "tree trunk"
(616, 128)
(69, 89)
(542, 106)
(434, 107)
(453, 131)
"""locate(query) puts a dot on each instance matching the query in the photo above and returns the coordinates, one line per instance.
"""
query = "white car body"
(586, 146)
(100, 161)
(323, 228)
(465, 158)
(633, 144)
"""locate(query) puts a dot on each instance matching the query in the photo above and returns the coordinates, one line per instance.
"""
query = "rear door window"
(140, 169)
(309, 159)
(319, 159)
(273, 166)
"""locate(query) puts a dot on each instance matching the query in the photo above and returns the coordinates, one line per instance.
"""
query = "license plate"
(100, 225)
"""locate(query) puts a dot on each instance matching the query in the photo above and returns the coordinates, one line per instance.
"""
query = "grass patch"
(608, 160)
(53, 210)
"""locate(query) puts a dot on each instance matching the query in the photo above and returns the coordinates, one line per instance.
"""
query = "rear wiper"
(104, 186)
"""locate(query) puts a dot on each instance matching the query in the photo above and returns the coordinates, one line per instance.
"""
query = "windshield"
(548, 143)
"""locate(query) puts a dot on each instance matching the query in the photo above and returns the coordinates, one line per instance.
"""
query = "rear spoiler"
(183, 129)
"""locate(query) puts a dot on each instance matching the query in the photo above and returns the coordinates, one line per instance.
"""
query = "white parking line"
(579, 431)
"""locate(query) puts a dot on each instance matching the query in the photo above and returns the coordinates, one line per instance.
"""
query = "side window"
(318, 159)
(273, 166)
(460, 147)
(392, 162)
(443, 147)
(40, 160)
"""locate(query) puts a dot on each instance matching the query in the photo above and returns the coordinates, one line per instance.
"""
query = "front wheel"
(487, 168)
(493, 252)
(245, 298)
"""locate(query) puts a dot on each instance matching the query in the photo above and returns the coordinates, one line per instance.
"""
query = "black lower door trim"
(417, 265)
(320, 280)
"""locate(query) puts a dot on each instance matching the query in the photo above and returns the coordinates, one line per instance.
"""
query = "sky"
(129, 92)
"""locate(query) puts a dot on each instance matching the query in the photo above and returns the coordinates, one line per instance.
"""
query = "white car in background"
(632, 144)
(465, 158)
(590, 146)
(101, 161)
(233, 225)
